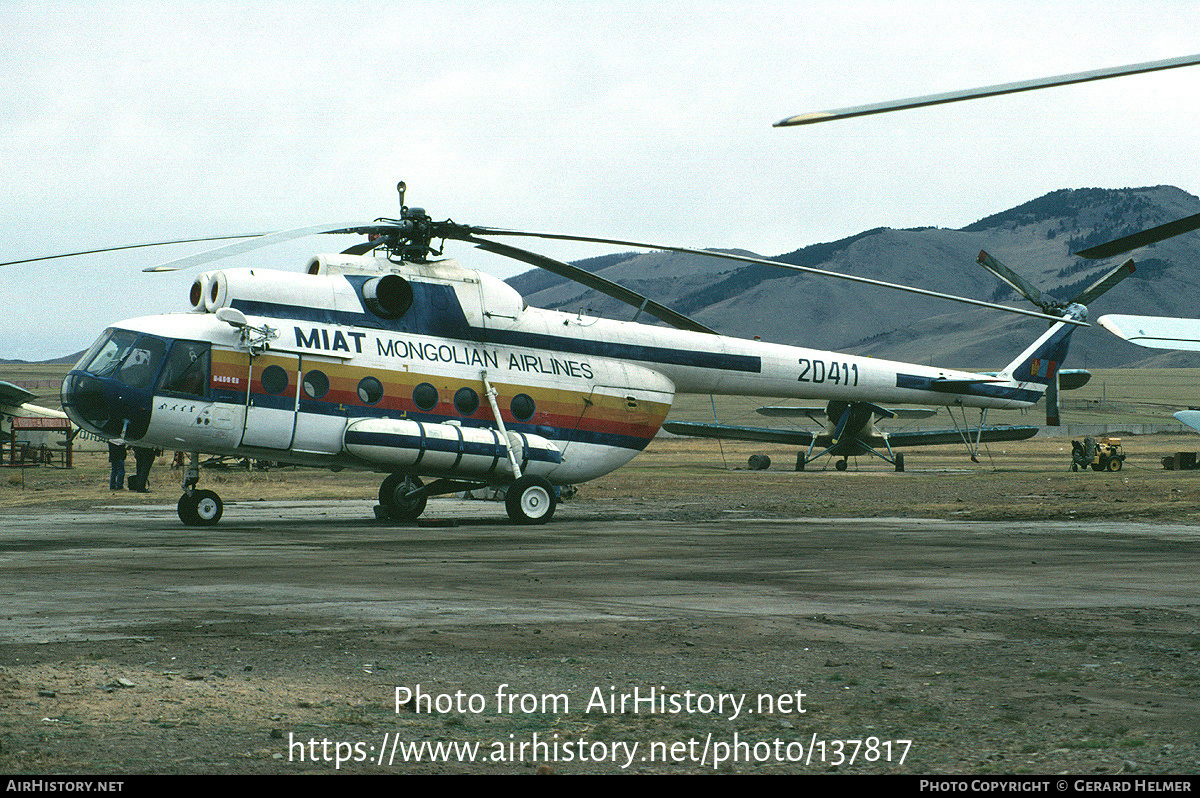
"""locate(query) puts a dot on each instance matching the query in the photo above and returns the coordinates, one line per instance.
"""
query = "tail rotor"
(1054, 307)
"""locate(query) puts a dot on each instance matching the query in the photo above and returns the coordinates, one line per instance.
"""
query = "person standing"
(116, 457)
(143, 457)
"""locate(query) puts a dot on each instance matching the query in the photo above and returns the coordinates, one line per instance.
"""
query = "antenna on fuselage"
(400, 190)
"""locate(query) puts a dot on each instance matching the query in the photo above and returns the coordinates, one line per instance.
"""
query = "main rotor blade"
(987, 91)
(262, 240)
(1119, 246)
(607, 287)
(1104, 283)
(1014, 280)
(131, 246)
(489, 231)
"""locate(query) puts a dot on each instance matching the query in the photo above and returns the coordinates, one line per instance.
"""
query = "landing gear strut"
(198, 507)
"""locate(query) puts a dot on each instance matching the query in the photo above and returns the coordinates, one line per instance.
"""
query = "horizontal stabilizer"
(1071, 379)
(941, 384)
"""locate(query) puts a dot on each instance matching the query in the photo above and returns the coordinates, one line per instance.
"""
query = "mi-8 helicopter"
(390, 358)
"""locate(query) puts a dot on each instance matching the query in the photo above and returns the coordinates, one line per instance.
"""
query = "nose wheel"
(198, 507)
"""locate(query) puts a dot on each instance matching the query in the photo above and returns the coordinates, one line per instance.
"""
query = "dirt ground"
(986, 641)
(677, 478)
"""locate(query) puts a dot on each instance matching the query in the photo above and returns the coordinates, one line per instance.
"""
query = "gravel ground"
(1045, 622)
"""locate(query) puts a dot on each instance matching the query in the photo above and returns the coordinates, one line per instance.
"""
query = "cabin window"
(187, 369)
(522, 407)
(316, 384)
(466, 401)
(425, 396)
(274, 380)
(370, 390)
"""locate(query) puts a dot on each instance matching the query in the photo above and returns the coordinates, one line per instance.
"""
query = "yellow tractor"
(1107, 454)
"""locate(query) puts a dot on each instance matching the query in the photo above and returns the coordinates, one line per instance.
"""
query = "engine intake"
(388, 297)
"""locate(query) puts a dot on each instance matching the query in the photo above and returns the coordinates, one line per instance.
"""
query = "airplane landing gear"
(198, 507)
(395, 502)
(840, 465)
(530, 500)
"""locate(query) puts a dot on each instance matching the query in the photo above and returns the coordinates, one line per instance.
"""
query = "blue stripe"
(450, 323)
(989, 390)
(617, 351)
(395, 440)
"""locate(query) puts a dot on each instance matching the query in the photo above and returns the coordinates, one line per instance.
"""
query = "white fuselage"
(315, 359)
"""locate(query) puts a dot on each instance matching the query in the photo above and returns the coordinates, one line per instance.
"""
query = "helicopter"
(391, 358)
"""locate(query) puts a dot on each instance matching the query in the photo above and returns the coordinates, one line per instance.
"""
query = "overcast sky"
(133, 122)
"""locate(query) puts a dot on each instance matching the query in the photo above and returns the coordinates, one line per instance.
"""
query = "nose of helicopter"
(105, 406)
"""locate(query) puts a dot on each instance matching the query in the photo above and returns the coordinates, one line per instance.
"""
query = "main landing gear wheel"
(530, 500)
(200, 508)
(392, 495)
(840, 465)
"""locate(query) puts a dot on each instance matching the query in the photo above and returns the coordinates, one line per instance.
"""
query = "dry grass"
(1027, 479)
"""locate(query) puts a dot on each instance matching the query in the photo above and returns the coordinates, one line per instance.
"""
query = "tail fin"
(1040, 362)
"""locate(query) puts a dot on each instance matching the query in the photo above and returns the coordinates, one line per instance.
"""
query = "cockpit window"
(140, 367)
(105, 355)
(187, 369)
(129, 357)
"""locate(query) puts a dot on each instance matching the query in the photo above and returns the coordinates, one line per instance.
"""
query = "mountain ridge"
(1035, 239)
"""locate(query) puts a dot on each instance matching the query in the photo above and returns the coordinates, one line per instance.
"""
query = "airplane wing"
(780, 411)
(788, 437)
(1155, 332)
(940, 436)
(14, 401)
(13, 395)
(1189, 417)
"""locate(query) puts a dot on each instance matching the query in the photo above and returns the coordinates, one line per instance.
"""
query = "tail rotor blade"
(1018, 283)
(1104, 283)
